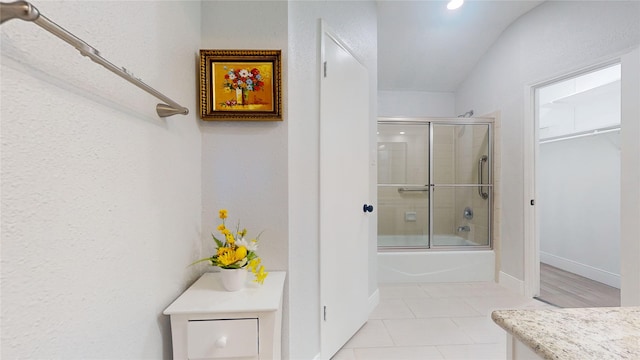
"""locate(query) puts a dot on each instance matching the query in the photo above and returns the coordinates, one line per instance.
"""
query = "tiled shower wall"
(403, 159)
(444, 149)
(470, 147)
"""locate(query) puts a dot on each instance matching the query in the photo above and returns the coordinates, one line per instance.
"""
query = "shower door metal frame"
(479, 185)
(429, 122)
(423, 187)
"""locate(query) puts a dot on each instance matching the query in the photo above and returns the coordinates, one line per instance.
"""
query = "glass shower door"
(403, 191)
(462, 186)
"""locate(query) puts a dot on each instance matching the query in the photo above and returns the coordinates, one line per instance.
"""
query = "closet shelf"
(25, 11)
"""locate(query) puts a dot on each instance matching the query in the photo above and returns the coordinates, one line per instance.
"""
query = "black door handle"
(367, 208)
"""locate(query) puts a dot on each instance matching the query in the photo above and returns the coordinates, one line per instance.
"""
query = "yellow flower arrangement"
(235, 252)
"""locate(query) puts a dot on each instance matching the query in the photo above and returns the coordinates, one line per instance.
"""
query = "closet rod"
(27, 12)
(581, 135)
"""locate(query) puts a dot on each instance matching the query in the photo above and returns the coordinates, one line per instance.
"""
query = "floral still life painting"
(235, 251)
(240, 85)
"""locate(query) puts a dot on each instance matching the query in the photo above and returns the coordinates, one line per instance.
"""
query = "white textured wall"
(416, 104)
(100, 197)
(554, 38)
(579, 203)
(354, 22)
(244, 164)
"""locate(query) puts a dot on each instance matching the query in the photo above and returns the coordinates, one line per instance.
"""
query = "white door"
(344, 191)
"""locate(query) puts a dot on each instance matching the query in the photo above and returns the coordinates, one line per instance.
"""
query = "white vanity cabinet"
(208, 322)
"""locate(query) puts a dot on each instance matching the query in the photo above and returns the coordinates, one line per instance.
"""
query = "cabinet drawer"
(215, 339)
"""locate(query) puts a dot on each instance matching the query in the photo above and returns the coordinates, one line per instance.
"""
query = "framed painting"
(240, 85)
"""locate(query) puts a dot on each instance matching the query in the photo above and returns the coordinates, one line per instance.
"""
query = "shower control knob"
(367, 208)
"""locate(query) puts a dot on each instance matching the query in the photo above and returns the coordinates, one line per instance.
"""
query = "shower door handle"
(417, 189)
(483, 159)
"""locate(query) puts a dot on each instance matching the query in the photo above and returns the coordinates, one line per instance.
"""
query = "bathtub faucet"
(465, 228)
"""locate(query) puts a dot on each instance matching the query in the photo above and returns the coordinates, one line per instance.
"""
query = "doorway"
(577, 172)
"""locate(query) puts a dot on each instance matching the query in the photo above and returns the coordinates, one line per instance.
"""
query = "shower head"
(467, 114)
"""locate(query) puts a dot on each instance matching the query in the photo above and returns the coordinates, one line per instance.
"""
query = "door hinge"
(325, 68)
(324, 313)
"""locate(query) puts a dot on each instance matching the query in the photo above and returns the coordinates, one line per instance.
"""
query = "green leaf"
(201, 260)
(218, 242)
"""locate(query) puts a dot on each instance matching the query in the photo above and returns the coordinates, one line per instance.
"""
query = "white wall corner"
(511, 283)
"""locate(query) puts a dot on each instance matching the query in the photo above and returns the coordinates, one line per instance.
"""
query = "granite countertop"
(580, 334)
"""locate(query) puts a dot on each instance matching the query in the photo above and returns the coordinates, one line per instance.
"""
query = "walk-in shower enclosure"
(435, 186)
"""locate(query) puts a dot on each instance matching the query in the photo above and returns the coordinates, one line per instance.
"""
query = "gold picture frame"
(240, 85)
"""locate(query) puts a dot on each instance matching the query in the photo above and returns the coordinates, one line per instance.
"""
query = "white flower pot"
(233, 279)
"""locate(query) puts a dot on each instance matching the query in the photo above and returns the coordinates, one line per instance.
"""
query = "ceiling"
(423, 46)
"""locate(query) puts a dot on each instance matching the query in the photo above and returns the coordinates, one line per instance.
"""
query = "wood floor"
(568, 290)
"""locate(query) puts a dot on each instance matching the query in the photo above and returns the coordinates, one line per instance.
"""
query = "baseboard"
(511, 282)
(581, 269)
(374, 300)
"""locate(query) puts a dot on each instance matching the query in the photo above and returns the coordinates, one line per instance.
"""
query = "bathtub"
(411, 266)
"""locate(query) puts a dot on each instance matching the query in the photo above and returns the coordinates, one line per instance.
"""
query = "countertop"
(207, 295)
(580, 333)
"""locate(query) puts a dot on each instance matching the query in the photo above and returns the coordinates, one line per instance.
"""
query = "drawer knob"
(221, 342)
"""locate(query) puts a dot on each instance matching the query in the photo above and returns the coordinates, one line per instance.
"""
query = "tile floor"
(435, 321)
